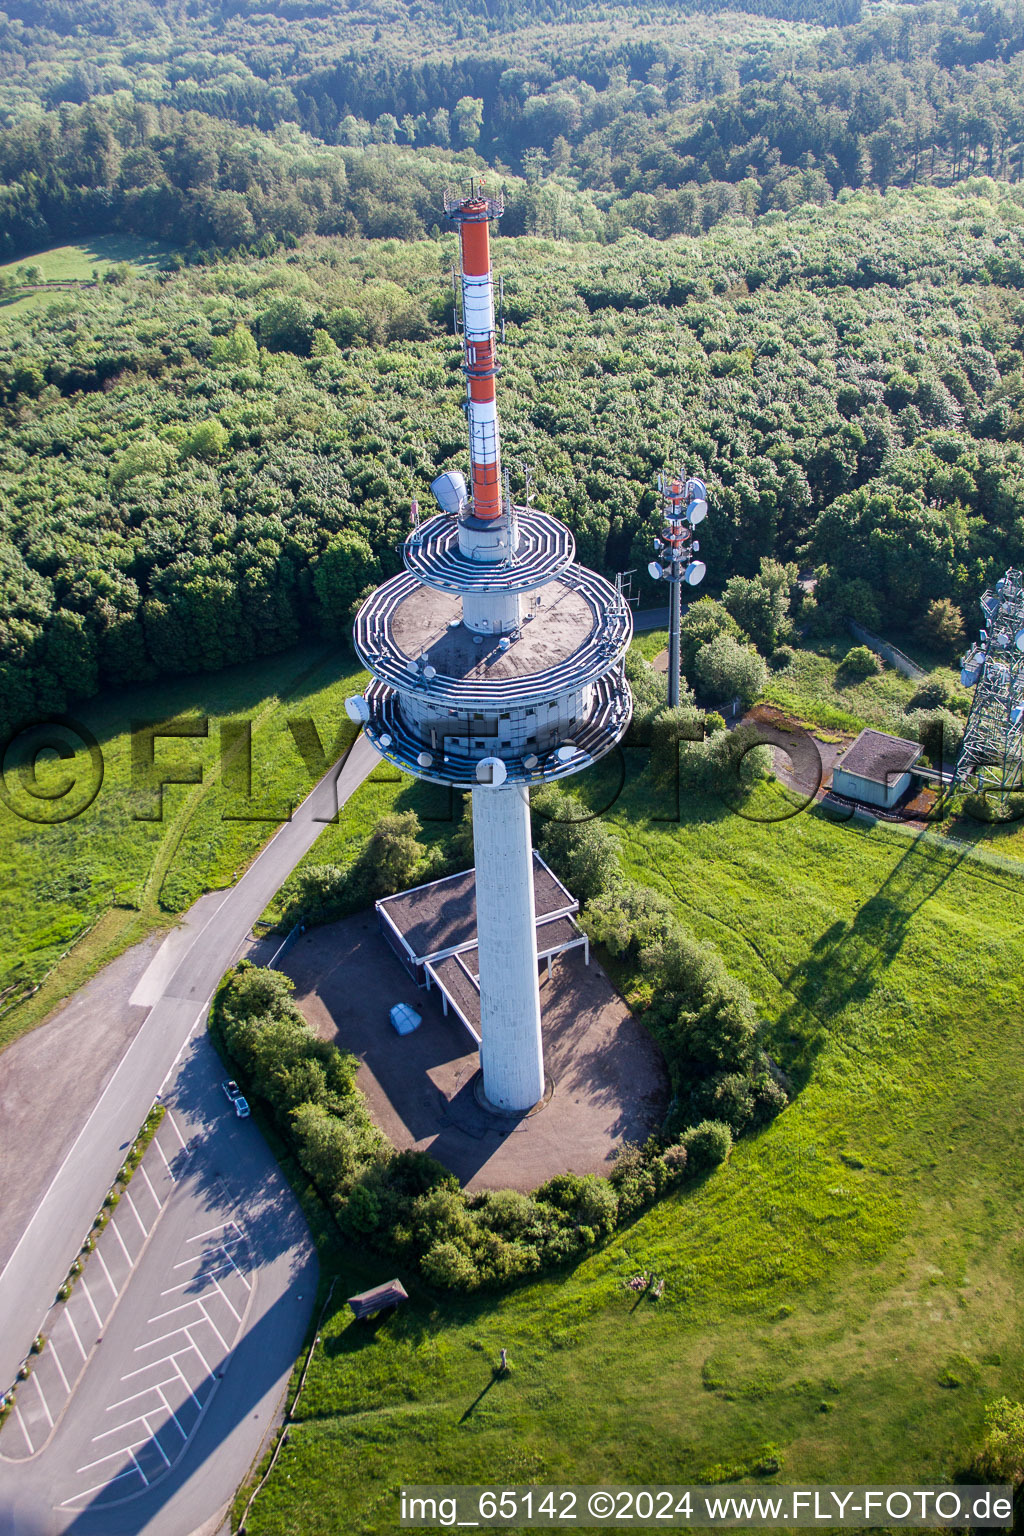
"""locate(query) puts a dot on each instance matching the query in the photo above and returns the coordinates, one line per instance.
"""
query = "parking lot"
(179, 1361)
(74, 1327)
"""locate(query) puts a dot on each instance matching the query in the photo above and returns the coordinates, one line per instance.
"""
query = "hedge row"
(405, 1203)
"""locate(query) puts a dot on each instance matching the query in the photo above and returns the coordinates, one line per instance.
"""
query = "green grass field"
(844, 1290)
(116, 874)
(71, 263)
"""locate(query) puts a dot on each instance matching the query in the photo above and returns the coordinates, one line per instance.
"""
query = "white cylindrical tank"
(511, 1053)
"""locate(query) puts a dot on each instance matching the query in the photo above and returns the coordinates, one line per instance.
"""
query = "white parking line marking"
(74, 1331)
(106, 1271)
(155, 1440)
(210, 1231)
(161, 1340)
(185, 1384)
(174, 1124)
(195, 1346)
(236, 1315)
(149, 1185)
(124, 1250)
(152, 1366)
(83, 1287)
(213, 1325)
(104, 1434)
(56, 1360)
(131, 1451)
(237, 1271)
(202, 1274)
(129, 1472)
(138, 1218)
(166, 1164)
(108, 1457)
(136, 1395)
(42, 1399)
(159, 1316)
(171, 1411)
(21, 1421)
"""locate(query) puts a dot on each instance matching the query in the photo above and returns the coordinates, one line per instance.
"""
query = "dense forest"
(197, 464)
(217, 125)
(786, 251)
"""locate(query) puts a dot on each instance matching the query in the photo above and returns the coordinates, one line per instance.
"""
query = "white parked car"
(242, 1108)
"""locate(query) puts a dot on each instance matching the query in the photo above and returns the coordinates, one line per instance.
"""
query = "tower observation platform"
(497, 663)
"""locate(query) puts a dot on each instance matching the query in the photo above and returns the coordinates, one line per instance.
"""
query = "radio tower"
(497, 664)
(684, 505)
(993, 749)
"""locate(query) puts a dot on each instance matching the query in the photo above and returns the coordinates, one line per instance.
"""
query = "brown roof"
(440, 917)
(878, 757)
(387, 1295)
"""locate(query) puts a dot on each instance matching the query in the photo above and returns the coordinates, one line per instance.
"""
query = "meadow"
(88, 262)
(840, 1299)
(86, 887)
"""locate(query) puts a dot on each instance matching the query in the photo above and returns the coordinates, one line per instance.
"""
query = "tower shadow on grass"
(849, 959)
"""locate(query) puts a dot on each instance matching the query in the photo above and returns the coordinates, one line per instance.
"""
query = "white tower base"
(511, 1052)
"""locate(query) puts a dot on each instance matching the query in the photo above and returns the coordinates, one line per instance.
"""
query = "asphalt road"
(181, 1382)
(177, 988)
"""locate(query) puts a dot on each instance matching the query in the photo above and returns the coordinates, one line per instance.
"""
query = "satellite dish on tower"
(492, 771)
(357, 709)
(654, 570)
(694, 573)
(696, 512)
(449, 491)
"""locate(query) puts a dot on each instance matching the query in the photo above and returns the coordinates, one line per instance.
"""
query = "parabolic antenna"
(492, 771)
(357, 709)
(694, 573)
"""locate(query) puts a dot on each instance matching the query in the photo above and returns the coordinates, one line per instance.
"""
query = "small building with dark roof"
(432, 930)
(379, 1299)
(876, 769)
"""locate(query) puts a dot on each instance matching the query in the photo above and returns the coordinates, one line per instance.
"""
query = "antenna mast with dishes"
(685, 505)
(991, 755)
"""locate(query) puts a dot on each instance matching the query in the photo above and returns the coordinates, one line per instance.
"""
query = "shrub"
(770, 1098)
(724, 670)
(628, 918)
(760, 604)
(449, 1267)
(649, 688)
(940, 732)
(858, 663)
(707, 1145)
(702, 622)
(727, 1097)
(943, 625)
(676, 1159)
(1001, 1457)
(363, 1209)
(579, 848)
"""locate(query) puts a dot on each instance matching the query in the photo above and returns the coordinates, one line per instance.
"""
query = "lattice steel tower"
(992, 751)
(497, 664)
